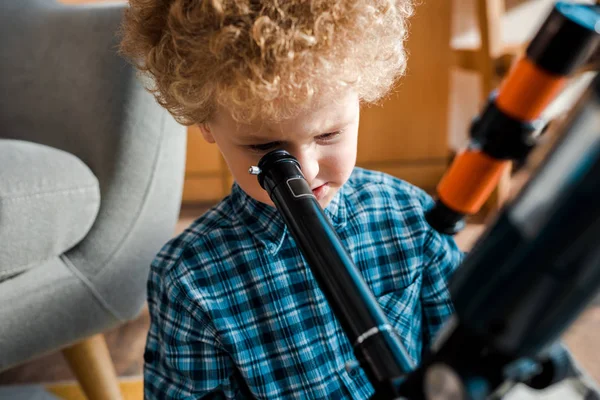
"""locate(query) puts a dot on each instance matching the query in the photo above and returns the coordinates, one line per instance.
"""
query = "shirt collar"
(266, 224)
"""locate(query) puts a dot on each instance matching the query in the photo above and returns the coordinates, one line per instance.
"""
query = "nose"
(309, 161)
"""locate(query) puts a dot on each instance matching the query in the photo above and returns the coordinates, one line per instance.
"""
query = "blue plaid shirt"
(236, 312)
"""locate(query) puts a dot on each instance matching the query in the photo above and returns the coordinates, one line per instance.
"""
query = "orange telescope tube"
(473, 175)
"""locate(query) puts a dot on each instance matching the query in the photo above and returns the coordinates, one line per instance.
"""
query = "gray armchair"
(91, 174)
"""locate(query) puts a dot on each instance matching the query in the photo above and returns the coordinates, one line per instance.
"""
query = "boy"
(235, 310)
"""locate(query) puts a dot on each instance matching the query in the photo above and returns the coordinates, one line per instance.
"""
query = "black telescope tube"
(375, 341)
(533, 271)
(539, 265)
(566, 39)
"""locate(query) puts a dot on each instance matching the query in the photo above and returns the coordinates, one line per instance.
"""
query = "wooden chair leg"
(91, 363)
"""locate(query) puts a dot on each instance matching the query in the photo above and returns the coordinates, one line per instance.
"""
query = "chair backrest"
(63, 84)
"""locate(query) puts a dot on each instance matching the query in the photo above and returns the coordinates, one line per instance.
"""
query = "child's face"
(323, 139)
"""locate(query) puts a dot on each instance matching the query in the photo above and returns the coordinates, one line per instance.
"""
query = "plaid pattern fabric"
(236, 312)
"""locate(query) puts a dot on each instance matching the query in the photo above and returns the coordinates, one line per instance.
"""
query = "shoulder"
(368, 183)
(189, 256)
(373, 191)
(387, 207)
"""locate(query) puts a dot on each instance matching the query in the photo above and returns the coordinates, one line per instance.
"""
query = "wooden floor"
(131, 389)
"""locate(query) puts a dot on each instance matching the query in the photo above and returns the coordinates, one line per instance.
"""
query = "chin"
(325, 202)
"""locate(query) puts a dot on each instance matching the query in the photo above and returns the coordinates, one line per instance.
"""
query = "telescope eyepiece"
(277, 166)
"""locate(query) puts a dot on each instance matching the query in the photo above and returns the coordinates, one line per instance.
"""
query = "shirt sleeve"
(443, 257)
(183, 358)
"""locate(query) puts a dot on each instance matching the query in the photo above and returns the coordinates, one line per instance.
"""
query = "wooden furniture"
(207, 178)
(406, 136)
(91, 363)
(490, 34)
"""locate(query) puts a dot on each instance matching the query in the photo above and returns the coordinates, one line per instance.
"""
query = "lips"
(321, 191)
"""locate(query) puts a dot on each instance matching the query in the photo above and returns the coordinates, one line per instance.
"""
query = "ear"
(206, 133)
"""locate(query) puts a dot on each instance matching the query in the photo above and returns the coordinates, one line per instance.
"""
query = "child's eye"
(260, 148)
(328, 136)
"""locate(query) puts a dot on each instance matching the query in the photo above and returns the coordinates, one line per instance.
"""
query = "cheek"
(249, 184)
(341, 158)
(239, 163)
(338, 162)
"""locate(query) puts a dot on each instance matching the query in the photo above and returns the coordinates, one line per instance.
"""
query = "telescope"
(526, 279)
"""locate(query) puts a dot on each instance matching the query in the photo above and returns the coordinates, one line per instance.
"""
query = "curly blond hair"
(261, 58)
